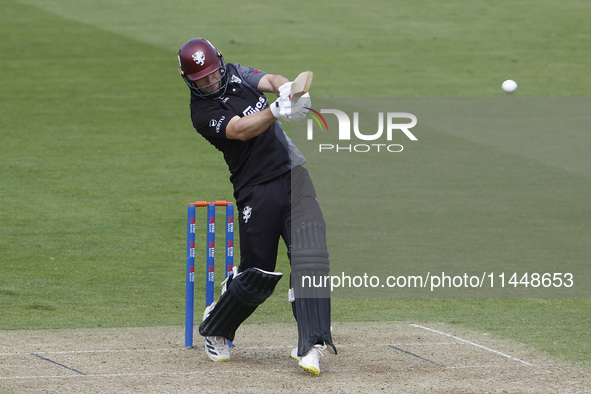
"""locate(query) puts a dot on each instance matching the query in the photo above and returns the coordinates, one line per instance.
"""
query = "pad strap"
(246, 291)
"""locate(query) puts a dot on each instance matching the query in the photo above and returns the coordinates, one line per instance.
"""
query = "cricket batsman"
(274, 195)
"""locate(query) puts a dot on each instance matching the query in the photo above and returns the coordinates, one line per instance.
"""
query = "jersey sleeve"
(211, 120)
(250, 75)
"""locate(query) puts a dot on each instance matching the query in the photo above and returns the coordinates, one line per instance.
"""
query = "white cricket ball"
(509, 86)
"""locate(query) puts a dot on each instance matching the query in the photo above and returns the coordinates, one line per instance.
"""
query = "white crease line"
(132, 350)
(429, 344)
(92, 351)
(504, 366)
(264, 347)
(116, 375)
(237, 347)
(331, 370)
(107, 375)
(472, 343)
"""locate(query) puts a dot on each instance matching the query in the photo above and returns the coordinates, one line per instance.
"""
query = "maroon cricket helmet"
(197, 59)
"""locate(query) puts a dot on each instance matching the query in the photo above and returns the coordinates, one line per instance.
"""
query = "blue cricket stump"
(209, 260)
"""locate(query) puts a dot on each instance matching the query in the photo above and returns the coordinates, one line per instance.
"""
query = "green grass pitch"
(99, 159)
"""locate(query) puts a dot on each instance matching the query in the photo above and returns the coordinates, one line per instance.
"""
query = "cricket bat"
(301, 85)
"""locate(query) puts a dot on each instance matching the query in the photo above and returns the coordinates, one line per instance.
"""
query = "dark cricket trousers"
(268, 211)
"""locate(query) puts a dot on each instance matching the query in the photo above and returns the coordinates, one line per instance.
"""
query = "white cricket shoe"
(311, 361)
(217, 348)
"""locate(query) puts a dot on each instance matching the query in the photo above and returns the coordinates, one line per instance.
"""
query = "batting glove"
(285, 89)
(299, 109)
(281, 108)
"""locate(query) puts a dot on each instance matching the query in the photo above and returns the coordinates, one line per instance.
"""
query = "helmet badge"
(199, 58)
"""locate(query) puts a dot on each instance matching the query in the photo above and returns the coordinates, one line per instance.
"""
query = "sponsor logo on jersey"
(219, 125)
(260, 105)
